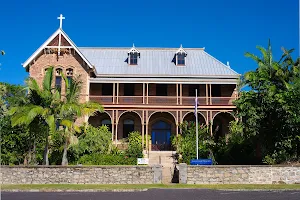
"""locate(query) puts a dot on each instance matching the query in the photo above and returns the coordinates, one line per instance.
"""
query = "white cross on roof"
(60, 20)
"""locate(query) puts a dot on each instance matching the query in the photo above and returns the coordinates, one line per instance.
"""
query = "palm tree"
(71, 110)
(42, 106)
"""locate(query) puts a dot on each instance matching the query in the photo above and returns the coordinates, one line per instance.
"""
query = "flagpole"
(196, 115)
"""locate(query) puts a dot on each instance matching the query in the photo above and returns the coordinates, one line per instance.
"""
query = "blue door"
(160, 136)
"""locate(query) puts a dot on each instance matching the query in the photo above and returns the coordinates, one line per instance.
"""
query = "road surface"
(156, 194)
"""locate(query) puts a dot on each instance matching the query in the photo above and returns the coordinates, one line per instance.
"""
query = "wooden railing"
(130, 99)
(105, 100)
(162, 100)
(222, 100)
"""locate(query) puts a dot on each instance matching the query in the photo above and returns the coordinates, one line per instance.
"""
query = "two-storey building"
(150, 90)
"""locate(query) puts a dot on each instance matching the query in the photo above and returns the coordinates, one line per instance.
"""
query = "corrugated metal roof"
(155, 62)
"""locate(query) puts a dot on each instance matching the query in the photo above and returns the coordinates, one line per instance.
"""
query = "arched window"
(45, 70)
(69, 73)
(107, 123)
(58, 72)
(128, 127)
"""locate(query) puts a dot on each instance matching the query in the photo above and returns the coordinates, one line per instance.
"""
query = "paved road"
(156, 194)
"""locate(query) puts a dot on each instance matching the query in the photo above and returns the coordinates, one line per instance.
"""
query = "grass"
(133, 186)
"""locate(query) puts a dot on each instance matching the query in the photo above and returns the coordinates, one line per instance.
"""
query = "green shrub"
(135, 149)
(100, 159)
(93, 140)
(186, 142)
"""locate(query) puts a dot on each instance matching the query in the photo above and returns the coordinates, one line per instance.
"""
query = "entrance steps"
(166, 159)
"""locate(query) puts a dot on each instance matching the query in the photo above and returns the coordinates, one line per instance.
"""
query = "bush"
(100, 159)
(93, 141)
(186, 142)
(135, 149)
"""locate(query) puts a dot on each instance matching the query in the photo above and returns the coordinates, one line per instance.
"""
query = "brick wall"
(37, 70)
(81, 175)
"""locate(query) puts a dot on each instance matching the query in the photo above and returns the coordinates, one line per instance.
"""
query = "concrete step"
(165, 159)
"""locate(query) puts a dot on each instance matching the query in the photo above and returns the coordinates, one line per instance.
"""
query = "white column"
(117, 93)
(180, 94)
(210, 94)
(143, 93)
(206, 93)
(147, 92)
(113, 126)
(114, 88)
(143, 131)
(177, 94)
(117, 121)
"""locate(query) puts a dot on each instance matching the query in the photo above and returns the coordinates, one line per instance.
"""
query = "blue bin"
(201, 162)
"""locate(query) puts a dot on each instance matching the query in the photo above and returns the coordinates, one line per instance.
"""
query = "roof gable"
(66, 42)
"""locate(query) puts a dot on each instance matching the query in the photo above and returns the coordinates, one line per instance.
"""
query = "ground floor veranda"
(158, 127)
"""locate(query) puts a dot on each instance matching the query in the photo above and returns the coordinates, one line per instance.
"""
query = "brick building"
(150, 90)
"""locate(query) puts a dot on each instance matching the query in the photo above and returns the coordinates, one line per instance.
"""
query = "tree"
(16, 142)
(269, 110)
(42, 107)
(71, 109)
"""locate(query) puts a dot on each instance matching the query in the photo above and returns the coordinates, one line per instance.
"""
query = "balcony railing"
(130, 99)
(162, 100)
(222, 100)
(105, 100)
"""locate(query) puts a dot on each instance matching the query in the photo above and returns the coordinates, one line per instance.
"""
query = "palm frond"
(50, 120)
(253, 57)
(47, 82)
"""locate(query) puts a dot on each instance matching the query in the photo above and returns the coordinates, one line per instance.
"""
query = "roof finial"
(60, 20)
(133, 45)
(180, 45)
(228, 64)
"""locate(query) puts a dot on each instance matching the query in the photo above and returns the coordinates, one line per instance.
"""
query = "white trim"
(181, 50)
(62, 47)
(163, 80)
(45, 44)
(133, 50)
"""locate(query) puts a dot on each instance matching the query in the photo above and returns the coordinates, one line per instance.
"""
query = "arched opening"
(100, 119)
(161, 127)
(221, 125)
(190, 117)
(128, 127)
(129, 122)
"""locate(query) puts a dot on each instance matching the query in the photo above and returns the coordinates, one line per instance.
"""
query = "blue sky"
(227, 29)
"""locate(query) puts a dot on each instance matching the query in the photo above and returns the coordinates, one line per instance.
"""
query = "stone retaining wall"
(238, 174)
(81, 174)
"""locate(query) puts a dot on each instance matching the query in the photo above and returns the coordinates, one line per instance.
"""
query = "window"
(133, 54)
(180, 59)
(180, 56)
(161, 90)
(133, 58)
(128, 127)
(192, 90)
(128, 89)
(69, 73)
(107, 89)
(58, 72)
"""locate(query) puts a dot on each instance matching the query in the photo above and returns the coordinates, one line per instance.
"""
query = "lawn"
(141, 187)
